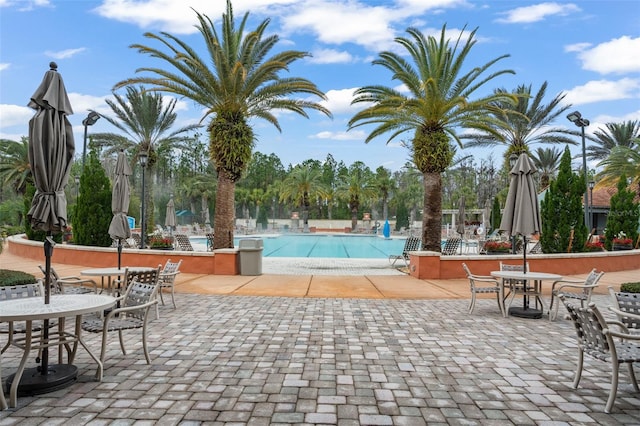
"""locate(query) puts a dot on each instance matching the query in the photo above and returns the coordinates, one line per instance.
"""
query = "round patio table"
(535, 291)
(60, 306)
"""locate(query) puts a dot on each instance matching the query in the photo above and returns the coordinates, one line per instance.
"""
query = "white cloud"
(354, 135)
(4, 66)
(177, 16)
(615, 56)
(339, 101)
(14, 115)
(577, 47)
(537, 12)
(603, 90)
(605, 118)
(64, 54)
(330, 56)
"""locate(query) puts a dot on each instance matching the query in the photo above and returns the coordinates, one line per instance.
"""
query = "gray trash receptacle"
(250, 251)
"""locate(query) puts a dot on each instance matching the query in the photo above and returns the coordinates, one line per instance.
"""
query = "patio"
(369, 349)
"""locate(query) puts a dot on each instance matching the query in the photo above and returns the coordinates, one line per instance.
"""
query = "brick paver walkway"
(275, 360)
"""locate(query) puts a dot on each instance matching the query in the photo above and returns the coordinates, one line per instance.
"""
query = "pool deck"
(359, 348)
(308, 277)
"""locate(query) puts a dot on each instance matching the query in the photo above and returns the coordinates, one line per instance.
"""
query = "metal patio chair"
(581, 290)
(411, 244)
(596, 339)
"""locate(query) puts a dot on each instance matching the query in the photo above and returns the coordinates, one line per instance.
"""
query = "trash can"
(250, 251)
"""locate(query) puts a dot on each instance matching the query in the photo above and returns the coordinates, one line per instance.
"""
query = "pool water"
(321, 245)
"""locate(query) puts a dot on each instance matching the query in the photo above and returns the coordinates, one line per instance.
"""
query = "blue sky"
(589, 50)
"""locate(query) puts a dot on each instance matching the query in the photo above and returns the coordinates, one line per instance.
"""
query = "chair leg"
(499, 297)
(104, 344)
(634, 381)
(576, 380)
(124, 351)
(614, 386)
(472, 304)
(3, 402)
(173, 300)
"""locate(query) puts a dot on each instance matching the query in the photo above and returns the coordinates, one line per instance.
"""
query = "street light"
(576, 118)
(591, 215)
(143, 156)
(89, 121)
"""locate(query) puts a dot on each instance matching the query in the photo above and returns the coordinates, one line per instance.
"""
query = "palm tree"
(301, 185)
(358, 188)
(145, 124)
(236, 82)
(547, 161)
(616, 134)
(622, 160)
(385, 185)
(15, 169)
(438, 101)
(526, 123)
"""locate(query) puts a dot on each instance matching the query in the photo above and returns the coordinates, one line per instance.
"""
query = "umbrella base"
(33, 382)
(525, 313)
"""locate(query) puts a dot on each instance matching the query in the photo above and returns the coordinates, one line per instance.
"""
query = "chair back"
(451, 246)
(591, 281)
(590, 325)
(55, 286)
(513, 267)
(21, 291)
(139, 293)
(411, 244)
(145, 276)
(171, 267)
(629, 303)
(183, 242)
(209, 236)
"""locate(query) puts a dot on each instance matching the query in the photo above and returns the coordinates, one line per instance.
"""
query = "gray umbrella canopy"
(119, 227)
(51, 149)
(521, 214)
(170, 216)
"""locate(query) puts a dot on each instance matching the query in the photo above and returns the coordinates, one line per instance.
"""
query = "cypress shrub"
(562, 211)
(623, 215)
(93, 216)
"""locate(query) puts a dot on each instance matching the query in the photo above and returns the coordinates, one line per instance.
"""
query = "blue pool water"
(321, 245)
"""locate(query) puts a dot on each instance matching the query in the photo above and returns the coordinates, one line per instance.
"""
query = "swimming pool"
(321, 245)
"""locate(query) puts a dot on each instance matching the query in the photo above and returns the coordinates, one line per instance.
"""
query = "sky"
(588, 50)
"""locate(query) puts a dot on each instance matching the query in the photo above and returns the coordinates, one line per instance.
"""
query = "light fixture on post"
(591, 216)
(143, 157)
(576, 118)
(89, 121)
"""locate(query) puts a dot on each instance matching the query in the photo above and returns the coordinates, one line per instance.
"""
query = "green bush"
(630, 287)
(8, 277)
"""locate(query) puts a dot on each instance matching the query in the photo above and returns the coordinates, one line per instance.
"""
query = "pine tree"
(562, 211)
(93, 214)
(623, 215)
(496, 215)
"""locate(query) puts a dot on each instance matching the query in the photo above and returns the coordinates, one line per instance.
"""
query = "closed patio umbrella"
(521, 214)
(51, 149)
(120, 195)
(170, 216)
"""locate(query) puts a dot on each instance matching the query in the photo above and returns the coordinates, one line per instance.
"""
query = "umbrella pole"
(48, 252)
(119, 251)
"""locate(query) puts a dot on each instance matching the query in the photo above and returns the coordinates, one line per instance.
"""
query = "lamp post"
(89, 121)
(591, 215)
(576, 118)
(76, 178)
(143, 156)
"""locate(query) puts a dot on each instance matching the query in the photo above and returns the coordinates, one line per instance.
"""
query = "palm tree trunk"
(432, 212)
(225, 212)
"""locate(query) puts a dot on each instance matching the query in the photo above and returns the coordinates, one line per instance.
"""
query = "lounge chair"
(209, 236)
(451, 246)
(183, 242)
(411, 244)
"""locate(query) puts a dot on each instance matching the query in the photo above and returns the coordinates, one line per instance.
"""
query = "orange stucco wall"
(430, 265)
(222, 262)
